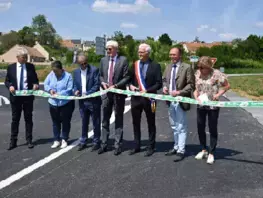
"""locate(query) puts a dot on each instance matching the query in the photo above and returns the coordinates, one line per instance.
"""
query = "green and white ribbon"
(147, 95)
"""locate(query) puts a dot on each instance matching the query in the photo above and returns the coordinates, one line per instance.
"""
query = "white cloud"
(227, 36)
(202, 27)
(128, 25)
(116, 7)
(5, 5)
(259, 24)
(213, 30)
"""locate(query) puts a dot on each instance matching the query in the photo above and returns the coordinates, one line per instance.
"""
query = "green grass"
(250, 86)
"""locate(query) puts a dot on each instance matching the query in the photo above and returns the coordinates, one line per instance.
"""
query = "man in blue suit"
(87, 81)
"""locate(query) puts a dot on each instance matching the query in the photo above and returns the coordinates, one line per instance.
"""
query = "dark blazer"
(153, 79)
(92, 85)
(11, 79)
(121, 71)
(185, 81)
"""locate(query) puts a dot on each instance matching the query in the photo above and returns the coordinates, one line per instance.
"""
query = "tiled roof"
(67, 44)
(194, 46)
(32, 51)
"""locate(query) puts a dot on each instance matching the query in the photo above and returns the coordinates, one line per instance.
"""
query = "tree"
(196, 39)
(26, 36)
(164, 39)
(8, 40)
(44, 30)
(127, 39)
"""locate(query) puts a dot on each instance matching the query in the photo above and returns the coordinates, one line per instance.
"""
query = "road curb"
(254, 112)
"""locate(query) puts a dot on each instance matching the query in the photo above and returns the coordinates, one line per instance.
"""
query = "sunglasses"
(109, 49)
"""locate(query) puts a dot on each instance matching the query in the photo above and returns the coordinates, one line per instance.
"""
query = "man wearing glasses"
(113, 74)
(86, 82)
(21, 76)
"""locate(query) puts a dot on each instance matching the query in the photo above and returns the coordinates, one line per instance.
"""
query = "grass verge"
(248, 86)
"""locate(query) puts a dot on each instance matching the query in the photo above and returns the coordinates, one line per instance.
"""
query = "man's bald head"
(175, 54)
(82, 61)
(82, 58)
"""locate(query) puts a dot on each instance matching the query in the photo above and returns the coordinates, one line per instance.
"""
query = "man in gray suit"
(178, 80)
(113, 73)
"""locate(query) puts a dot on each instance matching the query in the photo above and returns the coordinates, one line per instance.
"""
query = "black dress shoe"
(134, 151)
(30, 145)
(95, 147)
(179, 157)
(171, 152)
(81, 147)
(117, 151)
(11, 147)
(102, 150)
(149, 152)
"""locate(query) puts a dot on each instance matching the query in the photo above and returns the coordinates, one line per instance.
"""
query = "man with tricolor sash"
(178, 80)
(146, 77)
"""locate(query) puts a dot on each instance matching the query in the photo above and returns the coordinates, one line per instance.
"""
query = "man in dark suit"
(146, 77)
(178, 80)
(113, 73)
(87, 81)
(21, 76)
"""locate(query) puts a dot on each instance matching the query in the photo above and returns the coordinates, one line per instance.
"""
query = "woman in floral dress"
(210, 84)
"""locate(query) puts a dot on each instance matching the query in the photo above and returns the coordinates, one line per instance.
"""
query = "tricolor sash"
(142, 84)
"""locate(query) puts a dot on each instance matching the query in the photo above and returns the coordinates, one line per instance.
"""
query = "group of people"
(145, 76)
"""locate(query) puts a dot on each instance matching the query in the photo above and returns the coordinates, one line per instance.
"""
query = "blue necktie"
(173, 79)
(21, 84)
(142, 69)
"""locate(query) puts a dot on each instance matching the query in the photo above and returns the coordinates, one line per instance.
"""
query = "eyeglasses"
(109, 49)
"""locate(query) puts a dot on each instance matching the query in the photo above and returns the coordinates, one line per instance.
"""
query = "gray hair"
(112, 43)
(146, 47)
(21, 51)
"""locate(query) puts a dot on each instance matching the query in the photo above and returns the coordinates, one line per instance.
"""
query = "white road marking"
(6, 101)
(30, 169)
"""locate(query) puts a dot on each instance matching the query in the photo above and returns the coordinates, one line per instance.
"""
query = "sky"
(182, 20)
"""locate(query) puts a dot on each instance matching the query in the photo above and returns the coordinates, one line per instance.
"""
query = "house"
(77, 43)
(87, 45)
(33, 54)
(191, 47)
(42, 50)
(72, 45)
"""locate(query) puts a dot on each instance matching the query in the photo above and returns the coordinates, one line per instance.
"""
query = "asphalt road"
(236, 173)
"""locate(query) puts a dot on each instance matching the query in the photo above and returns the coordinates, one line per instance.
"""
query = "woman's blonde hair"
(205, 61)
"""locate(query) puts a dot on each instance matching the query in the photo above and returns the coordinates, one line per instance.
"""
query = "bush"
(239, 63)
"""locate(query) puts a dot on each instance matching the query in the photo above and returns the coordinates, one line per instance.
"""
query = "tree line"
(241, 53)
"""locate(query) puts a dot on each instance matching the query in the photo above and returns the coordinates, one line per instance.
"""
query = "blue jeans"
(177, 118)
(95, 114)
(61, 118)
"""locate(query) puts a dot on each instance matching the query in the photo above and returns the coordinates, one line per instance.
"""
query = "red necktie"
(111, 72)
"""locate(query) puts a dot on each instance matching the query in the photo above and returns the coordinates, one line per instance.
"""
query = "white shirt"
(19, 68)
(114, 62)
(178, 64)
(83, 80)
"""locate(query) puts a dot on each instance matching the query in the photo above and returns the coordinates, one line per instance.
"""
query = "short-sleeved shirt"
(209, 85)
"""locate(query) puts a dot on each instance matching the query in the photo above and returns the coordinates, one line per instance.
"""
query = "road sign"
(194, 59)
(100, 45)
(213, 60)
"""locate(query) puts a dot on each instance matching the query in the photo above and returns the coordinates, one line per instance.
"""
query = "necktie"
(173, 79)
(21, 84)
(111, 73)
(142, 69)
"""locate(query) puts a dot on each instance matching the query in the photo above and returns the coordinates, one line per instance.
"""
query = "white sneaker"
(210, 159)
(201, 155)
(64, 144)
(55, 144)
